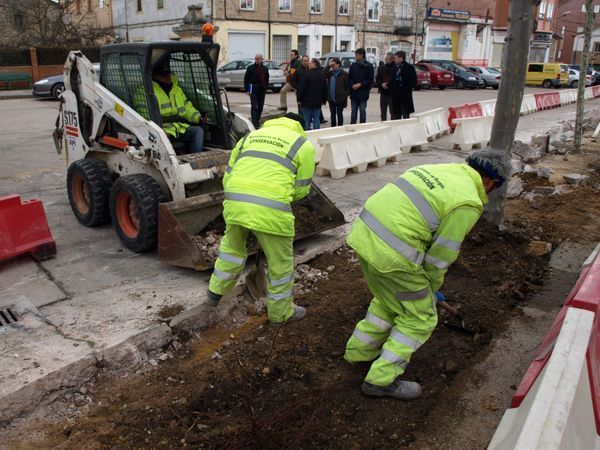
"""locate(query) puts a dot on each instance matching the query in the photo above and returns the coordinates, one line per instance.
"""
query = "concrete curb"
(16, 95)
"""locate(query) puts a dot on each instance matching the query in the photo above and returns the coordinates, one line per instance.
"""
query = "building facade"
(569, 23)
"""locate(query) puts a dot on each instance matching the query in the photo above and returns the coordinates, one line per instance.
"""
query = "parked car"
(463, 77)
(439, 77)
(548, 75)
(491, 76)
(423, 79)
(574, 78)
(234, 72)
(54, 86)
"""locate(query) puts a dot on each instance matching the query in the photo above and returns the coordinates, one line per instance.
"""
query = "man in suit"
(256, 82)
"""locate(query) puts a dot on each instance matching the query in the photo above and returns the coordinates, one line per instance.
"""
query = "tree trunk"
(510, 94)
(583, 63)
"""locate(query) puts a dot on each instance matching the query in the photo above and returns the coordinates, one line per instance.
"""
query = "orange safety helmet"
(208, 29)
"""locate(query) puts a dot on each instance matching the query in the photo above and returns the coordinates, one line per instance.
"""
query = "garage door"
(244, 45)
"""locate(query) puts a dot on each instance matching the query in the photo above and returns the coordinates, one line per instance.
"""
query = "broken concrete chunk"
(562, 189)
(539, 248)
(517, 165)
(543, 190)
(574, 178)
(532, 199)
(528, 169)
(526, 152)
(515, 187)
(544, 172)
(541, 141)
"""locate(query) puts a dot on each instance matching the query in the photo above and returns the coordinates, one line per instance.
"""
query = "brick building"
(569, 22)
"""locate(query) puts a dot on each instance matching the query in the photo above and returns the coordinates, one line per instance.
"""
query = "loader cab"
(126, 71)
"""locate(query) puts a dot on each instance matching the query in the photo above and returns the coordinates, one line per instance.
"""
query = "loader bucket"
(189, 230)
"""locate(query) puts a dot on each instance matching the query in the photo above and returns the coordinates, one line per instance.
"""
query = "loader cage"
(126, 71)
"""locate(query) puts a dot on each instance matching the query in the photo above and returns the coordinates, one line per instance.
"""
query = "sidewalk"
(11, 95)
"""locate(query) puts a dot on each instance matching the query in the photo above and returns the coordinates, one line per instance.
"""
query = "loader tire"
(88, 187)
(134, 203)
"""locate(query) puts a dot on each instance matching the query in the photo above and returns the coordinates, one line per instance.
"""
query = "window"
(535, 68)
(19, 21)
(596, 9)
(550, 11)
(403, 11)
(284, 5)
(247, 5)
(580, 29)
(373, 10)
(596, 47)
(160, 4)
(562, 31)
(542, 12)
(139, 5)
(316, 6)
(343, 7)
(583, 8)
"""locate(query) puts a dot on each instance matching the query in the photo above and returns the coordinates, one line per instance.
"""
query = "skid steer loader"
(123, 167)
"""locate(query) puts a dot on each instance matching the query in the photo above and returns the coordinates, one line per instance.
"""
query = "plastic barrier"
(596, 91)
(547, 100)
(568, 96)
(471, 132)
(463, 111)
(589, 93)
(24, 229)
(528, 104)
(597, 132)
(585, 424)
(408, 134)
(435, 122)
(356, 151)
(488, 107)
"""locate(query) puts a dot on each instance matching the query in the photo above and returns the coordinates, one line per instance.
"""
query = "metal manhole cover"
(7, 315)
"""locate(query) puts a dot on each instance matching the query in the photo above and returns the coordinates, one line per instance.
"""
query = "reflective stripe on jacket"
(418, 222)
(268, 169)
(175, 105)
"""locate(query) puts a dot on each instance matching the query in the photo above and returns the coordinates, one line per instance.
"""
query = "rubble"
(543, 190)
(539, 248)
(532, 199)
(306, 277)
(562, 189)
(541, 141)
(527, 153)
(528, 169)
(515, 188)
(208, 243)
(574, 178)
(517, 166)
(544, 172)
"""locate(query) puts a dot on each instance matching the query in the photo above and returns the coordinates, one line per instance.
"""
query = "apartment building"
(570, 20)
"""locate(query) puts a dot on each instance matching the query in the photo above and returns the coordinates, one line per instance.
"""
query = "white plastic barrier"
(597, 132)
(471, 132)
(557, 412)
(567, 96)
(314, 136)
(408, 134)
(528, 105)
(488, 107)
(589, 93)
(435, 122)
(356, 150)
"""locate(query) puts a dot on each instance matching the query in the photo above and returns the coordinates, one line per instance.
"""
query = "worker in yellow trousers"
(268, 170)
(406, 238)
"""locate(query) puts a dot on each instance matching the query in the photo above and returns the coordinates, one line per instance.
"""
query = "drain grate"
(7, 316)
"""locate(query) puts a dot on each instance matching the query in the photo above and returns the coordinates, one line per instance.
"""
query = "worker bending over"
(406, 238)
(268, 169)
(177, 112)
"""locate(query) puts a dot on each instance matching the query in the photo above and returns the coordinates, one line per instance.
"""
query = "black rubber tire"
(57, 89)
(146, 194)
(441, 88)
(547, 84)
(496, 87)
(97, 180)
(460, 84)
(574, 84)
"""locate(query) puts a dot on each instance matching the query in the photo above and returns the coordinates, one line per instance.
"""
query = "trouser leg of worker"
(231, 260)
(283, 95)
(279, 252)
(401, 317)
(193, 138)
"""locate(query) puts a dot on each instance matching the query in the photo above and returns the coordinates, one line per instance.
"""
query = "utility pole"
(510, 94)
(585, 57)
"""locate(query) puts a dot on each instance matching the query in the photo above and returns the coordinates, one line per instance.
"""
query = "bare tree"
(585, 59)
(510, 95)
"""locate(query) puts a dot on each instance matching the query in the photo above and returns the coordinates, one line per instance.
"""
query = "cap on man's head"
(296, 117)
(162, 69)
(492, 163)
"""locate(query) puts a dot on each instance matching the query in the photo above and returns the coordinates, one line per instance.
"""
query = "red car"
(423, 79)
(441, 78)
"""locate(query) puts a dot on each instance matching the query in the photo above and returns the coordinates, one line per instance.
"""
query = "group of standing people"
(316, 86)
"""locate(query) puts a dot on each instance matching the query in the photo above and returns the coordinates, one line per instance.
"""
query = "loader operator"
(177, 112)
(406, 237)
(268, 169)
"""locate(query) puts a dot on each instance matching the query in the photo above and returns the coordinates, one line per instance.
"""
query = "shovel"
(461, 320)
(256, 280)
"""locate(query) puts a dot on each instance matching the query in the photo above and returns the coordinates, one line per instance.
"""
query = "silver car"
(54, 86)
(491, 76)
(234, 73)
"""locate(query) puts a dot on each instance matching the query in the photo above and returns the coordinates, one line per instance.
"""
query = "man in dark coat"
(256, 81)
(338, 89)
(313, 94)
(405, 79)
(383, 81)
(301, 69)
(361, 80)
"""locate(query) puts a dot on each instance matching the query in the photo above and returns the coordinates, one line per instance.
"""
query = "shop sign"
(448, 14)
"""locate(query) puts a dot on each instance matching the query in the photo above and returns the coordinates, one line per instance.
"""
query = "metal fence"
(15, 57)
(58, 56)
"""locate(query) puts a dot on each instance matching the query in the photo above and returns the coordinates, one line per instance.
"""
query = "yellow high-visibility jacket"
(174, 105)
(417, 223)
(268, 169)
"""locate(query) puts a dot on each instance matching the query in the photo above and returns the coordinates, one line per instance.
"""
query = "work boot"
(299, 314)
(399, 389)
(213, 299)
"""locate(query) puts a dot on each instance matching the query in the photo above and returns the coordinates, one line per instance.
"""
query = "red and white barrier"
(547, 100)
(557, 404)
(528, 104)
(568, 96)
(463, 111)
(488, 107)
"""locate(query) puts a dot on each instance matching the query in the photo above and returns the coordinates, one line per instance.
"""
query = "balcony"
(404, 26)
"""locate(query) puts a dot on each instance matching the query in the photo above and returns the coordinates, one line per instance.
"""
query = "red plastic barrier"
(584, 295)
(466, 110)
(547, 100)
(24, 229)
(596, 91)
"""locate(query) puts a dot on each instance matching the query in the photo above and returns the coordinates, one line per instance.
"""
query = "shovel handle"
(451, 309)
